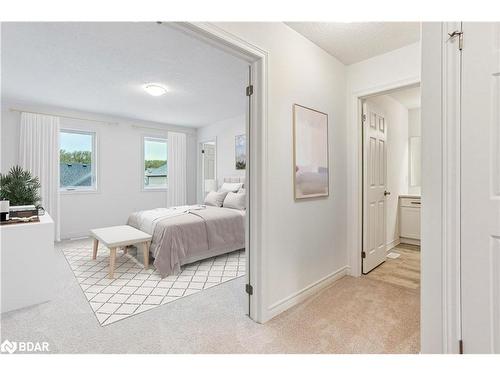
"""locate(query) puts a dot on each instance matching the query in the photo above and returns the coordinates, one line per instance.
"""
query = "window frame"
(93, 161)
(143, 161)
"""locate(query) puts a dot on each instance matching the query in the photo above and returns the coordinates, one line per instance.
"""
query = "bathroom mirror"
(415, 162)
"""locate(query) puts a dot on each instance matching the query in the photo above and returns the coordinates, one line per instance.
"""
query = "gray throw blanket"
(192, 235)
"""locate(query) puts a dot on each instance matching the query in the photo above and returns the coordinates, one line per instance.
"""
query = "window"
(155, 163)
(77, 160)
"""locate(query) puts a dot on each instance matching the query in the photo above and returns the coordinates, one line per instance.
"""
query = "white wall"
(414, 130)
(305, 241)
(224, 133)
(381, 73)
(396, 116)
(385, 70)
(414, 124)
(119, 157)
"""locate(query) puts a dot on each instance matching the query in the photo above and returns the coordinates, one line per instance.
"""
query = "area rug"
(134, 289)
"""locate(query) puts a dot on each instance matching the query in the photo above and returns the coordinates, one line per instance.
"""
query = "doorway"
(391, 198)
(208, 166)
(255, 130)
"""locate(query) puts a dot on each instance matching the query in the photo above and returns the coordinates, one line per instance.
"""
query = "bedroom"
(129, 118)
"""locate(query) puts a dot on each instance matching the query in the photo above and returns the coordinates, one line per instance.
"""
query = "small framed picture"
(240, 151)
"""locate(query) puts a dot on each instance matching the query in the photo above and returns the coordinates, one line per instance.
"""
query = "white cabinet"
(409, 223)
(27, 251)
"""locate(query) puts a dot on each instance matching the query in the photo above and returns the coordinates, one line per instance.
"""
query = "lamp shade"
(210, 185)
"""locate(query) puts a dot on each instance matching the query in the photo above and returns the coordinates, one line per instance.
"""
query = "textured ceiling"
(409, 98)
(354, 42)
(100, 67)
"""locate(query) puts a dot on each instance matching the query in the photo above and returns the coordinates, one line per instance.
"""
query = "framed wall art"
(310, 153)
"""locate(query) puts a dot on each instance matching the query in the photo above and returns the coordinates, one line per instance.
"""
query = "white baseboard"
(297, 297)
(410, 241)
(393, 244)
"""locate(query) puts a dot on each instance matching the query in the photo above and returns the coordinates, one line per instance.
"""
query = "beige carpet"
(354, 315)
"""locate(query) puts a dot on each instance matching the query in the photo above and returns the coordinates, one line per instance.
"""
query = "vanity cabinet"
(409, 223)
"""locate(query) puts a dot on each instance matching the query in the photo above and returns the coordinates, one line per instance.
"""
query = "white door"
(208, 167)
(374, 189)
(480, 183)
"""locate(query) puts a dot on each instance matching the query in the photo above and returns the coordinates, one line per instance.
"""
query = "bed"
(186, 234)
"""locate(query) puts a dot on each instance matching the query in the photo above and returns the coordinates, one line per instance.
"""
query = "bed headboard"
(235, 179)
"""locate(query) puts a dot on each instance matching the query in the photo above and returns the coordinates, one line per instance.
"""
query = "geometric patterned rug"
(134, 289)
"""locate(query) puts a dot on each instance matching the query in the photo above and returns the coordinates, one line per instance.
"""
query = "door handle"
(386, 193)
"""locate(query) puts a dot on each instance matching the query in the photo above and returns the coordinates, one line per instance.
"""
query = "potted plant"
(20, 187)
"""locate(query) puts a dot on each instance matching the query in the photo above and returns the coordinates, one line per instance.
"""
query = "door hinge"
(202, 151)
(460, 347)
(363, 255)
(249, 289)
(364, 117)
(460, 35)
(249, 90)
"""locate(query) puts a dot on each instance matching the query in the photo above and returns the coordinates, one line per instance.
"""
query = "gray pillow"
(215, 198)
(235, 200)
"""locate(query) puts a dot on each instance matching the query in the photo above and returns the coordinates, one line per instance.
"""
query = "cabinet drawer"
(409, 202)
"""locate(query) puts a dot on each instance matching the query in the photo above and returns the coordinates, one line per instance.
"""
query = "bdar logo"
(8, 347)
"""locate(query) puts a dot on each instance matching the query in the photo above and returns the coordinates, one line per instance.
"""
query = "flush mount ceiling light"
(155, 89)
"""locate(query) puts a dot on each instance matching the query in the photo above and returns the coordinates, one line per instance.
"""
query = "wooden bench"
(120, 236)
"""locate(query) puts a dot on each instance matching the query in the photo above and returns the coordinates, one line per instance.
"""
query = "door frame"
(441, 175)
(257, 149)
(355, 170)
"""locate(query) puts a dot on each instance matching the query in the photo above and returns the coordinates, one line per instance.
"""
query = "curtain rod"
(69, 117)
(191, 132)
(149, 127)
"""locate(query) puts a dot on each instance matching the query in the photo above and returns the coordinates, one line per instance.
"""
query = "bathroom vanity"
(409, 219)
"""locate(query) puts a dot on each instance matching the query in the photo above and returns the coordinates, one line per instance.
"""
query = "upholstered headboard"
(235, 179)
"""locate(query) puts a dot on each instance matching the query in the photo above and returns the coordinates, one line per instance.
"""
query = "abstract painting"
(240, 151)
(310, 156)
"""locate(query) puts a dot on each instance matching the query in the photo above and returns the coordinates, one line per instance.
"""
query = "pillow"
(242, 191)
(234, 187)
(235, 200)
(215, 198)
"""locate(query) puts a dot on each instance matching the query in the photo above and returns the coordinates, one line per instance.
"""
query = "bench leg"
(125, 250)
(112, 256)
(145, 254)
(94, 252)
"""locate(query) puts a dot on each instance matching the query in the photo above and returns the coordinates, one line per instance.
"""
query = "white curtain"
(176, 169)
(39, 153)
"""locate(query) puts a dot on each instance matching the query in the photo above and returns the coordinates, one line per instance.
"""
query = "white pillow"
(215, 198)
(234, 186)
(235, 200)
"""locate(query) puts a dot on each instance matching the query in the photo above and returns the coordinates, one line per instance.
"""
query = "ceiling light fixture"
(155, 89)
